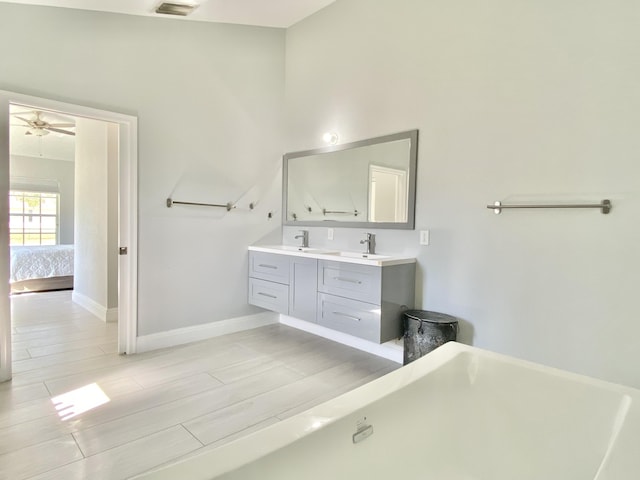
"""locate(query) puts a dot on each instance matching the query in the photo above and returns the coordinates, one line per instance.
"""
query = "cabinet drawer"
(269, 295)
(360, 282)
(356, 318)
(269, 266)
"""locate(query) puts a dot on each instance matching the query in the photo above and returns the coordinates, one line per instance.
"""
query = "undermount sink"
(369, 256)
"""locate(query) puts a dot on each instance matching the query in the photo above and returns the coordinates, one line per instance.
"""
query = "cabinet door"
(303, 286)
(360, 282)
(269, 266)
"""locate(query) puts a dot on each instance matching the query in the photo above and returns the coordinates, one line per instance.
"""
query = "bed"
(41, 268)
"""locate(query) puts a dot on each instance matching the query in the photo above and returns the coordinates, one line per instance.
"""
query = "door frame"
(127, 218)
(401, 191)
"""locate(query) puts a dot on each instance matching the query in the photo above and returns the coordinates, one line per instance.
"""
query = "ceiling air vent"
(181, 9)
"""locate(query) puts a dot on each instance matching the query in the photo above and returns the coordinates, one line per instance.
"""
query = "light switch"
(424, 237)
(330, 233)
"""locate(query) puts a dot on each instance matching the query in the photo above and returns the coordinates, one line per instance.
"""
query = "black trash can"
(425, 331)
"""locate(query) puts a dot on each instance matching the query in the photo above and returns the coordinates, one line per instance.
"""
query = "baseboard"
(112, 314)
(103, 313)
(180, 336)
(393, 350)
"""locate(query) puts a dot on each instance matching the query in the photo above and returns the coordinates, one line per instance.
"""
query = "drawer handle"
(267, 295)
(340, 314)
(264, 265)
(349, 280)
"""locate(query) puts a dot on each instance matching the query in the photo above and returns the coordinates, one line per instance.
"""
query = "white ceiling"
(268, 13)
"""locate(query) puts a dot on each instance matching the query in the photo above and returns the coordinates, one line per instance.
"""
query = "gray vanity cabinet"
(365, 301)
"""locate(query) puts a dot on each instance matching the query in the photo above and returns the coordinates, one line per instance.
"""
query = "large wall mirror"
(366, 184)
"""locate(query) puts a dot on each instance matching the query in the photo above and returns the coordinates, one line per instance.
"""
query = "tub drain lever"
(364, 432)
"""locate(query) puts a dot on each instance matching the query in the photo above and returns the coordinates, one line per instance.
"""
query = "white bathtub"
(460, 413)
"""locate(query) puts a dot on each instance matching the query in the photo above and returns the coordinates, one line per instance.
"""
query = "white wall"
(91, 253)
(112, 215)
(60, 171)
(209, 101)
(514, 100)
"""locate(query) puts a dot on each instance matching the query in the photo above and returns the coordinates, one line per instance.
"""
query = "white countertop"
(376, 260)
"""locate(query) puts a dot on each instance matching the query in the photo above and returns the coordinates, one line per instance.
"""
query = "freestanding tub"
(459, 413)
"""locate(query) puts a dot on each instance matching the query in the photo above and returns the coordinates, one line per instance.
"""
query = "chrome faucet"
(371, 243)
(304, 237)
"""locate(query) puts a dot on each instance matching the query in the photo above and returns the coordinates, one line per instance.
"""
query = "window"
(33, 218)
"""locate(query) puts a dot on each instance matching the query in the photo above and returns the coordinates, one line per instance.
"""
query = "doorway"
(126, 149)
(387, 194)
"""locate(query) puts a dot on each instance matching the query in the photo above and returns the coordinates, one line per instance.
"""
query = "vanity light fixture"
(331, 138)
(180, 9)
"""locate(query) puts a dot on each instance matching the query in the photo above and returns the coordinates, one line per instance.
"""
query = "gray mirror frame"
(412, 135)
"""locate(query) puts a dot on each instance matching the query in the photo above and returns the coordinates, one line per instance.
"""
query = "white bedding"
(30, 262)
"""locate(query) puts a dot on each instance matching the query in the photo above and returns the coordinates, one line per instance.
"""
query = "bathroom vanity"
(362, 295)
(369, 183)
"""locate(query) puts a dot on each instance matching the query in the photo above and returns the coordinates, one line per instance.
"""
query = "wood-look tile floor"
(162, 405)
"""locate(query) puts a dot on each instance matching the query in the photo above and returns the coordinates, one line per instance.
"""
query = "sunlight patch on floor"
(78, 401)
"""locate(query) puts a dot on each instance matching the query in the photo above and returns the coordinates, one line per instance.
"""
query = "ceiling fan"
(39, 127)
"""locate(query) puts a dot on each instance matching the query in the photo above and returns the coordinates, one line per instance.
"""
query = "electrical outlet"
(330, 233)
(424, 237)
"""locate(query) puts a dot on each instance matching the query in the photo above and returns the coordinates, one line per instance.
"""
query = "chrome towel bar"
(604, 206)
(325, 212)
(171, 203)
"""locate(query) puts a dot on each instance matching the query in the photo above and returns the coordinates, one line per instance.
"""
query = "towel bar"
(171, 203)
(325, 212)
(604, 206)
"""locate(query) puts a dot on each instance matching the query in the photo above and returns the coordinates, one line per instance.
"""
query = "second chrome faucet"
(371, 243)
(305, 238)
